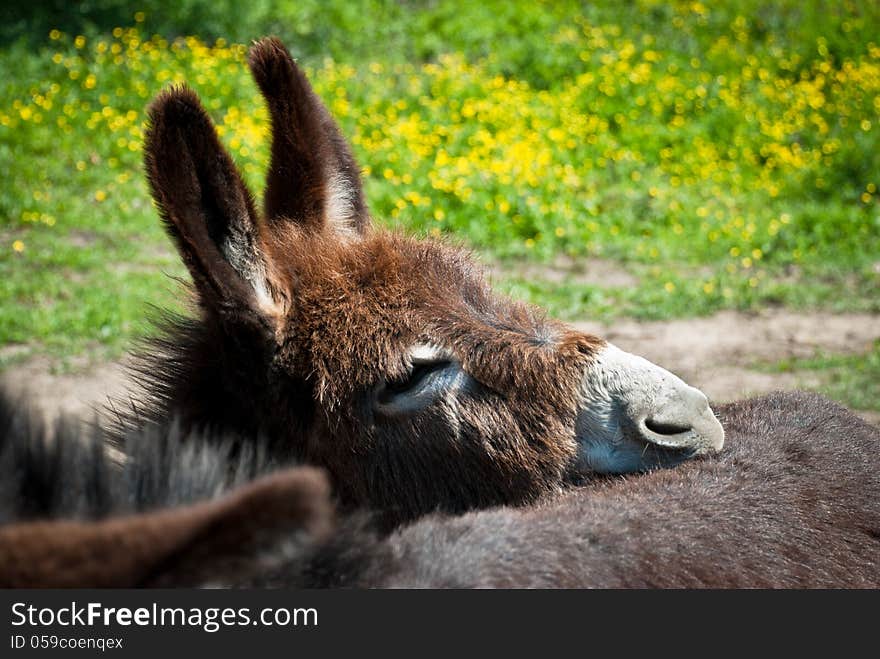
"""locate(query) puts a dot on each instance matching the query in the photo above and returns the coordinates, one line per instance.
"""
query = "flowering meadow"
(722, 158)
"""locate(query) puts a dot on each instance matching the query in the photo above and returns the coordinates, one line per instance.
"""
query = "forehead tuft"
(382, 265)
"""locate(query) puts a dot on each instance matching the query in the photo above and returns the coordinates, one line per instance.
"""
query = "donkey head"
(385, 359)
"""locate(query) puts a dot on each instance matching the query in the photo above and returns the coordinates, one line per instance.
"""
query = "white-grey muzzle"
(635, 416)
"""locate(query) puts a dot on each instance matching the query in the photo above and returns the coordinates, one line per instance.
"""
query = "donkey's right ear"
(313, 178)
(206, 206)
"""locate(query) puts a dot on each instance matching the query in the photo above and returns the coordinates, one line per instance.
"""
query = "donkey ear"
(226, 541)
(270, 524)
(205, 204)
(313, 178)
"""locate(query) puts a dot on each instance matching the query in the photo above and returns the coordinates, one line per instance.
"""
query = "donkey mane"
(72, 471)
(211, 384)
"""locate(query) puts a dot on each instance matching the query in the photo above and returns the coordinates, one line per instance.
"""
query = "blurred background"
(696, 182)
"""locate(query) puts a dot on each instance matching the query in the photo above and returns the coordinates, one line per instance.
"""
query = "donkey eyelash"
(419, 372)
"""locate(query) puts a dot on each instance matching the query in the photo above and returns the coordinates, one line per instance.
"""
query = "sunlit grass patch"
(853, 379)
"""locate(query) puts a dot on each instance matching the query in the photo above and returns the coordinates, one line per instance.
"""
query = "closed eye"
(420, 375)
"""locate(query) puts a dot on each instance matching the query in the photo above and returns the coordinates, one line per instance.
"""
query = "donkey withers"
(384, 359)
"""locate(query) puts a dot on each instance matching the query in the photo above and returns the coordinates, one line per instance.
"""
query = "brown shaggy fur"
(306, 310)
(792, 501)
(191, 545)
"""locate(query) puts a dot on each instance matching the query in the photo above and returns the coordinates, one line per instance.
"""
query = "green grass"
(649, 299)
(727, 155)
(854, 379)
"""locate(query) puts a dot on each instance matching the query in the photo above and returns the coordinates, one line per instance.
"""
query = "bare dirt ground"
(80, 393)
(717, 354)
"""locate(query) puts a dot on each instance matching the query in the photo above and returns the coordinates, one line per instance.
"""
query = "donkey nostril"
(666, 428)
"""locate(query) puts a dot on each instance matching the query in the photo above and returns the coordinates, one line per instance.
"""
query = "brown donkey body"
(384, 359)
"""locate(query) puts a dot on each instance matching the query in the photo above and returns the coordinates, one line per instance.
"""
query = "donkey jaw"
(637, 416)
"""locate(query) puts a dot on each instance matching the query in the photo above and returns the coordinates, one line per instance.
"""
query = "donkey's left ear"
(206, 206)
